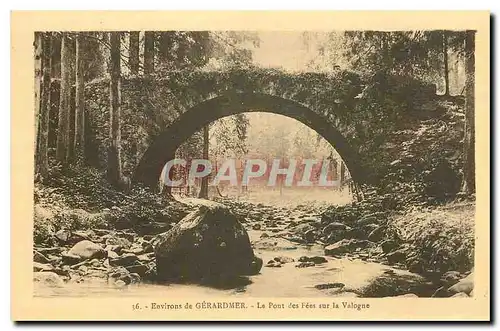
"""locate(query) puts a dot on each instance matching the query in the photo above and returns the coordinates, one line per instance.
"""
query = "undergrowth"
(78, 198)
(441, 238)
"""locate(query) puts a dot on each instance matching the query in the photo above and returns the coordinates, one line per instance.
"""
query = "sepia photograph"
(225, 165)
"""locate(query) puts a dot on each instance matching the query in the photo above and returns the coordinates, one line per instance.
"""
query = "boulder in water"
(208, 243)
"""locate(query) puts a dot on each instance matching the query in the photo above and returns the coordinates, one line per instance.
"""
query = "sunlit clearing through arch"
(268, 137)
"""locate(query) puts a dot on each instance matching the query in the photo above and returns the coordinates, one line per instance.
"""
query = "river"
(352, 276)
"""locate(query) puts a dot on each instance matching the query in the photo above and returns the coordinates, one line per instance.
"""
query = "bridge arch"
(165, 145)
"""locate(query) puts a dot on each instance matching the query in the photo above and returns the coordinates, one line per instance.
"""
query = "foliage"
(441, 238)
(80, 198)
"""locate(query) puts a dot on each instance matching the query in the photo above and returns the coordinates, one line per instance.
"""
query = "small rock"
(135, 278)
(77, 236)
(114, 248)
(256, 226)
(39, 257)
(120, 283)
(283, 259)
(86, 249)
(50, 279)
(333, 227)
(121, 273)
(112, 255)
(147, 247)
(345, 246)
(135, 250)
(83, 269)
(124, 260)
(70, 258)
(314, 259)
(318, 259)
(450, 278)
(145, 257)
(305, 265)
(273, 264)
(118, 241)
(329, 286)
(137, 268)
(63, 235)
(42, 267)
(264, 235)
(95, 263)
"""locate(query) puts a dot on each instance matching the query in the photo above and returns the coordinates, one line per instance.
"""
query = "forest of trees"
(66, 61)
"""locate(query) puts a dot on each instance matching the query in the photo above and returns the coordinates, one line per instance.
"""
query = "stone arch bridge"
(189, 100)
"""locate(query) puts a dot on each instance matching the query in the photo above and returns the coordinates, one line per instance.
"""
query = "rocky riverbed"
(305, 251)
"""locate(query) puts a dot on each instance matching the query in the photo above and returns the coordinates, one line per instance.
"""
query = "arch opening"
(164, 147)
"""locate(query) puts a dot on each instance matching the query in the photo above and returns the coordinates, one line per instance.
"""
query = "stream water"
(337, 277)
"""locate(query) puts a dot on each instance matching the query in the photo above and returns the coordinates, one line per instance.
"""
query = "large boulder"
(208, 243)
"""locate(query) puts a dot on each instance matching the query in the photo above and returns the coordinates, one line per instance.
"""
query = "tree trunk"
(38, 86)
(469, 169)
(63, 126)
(42, 159)
(149, 47)
(342, 173)
(134, 52)
(114, 163)
(445, 59)
(79, 141)
(55, 56)
(204, 181)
